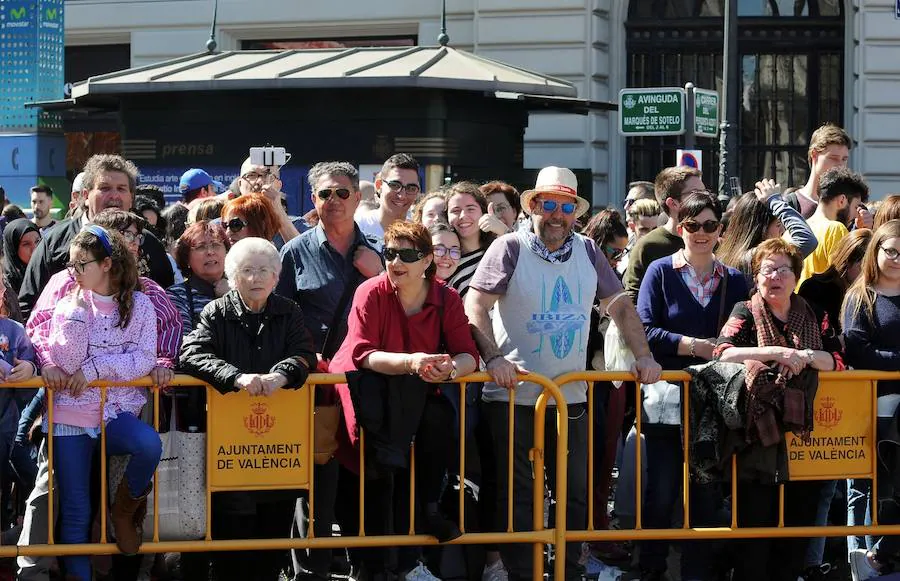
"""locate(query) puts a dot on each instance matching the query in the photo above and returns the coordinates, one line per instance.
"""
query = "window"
(313, 43)
(791, 78)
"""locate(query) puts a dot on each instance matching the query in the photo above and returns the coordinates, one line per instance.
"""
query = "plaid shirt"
(702, 290)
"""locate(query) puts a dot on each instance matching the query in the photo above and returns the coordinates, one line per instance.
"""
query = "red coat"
(377, 322)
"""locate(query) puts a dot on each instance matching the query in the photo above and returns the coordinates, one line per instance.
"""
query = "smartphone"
(268, 156)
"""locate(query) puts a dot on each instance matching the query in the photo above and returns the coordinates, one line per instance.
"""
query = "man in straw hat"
(542, 285)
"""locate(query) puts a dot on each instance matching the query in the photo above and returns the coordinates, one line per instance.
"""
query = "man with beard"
(398, 187)
(842, 194)
(109, 182)
(544, 330)
(41, 200)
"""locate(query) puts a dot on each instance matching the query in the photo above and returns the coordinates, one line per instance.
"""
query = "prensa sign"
(259, 443)
(840, 445)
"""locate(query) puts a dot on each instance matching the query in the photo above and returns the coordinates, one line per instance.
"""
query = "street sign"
(706, 112)
(654, 111)
(689, 157)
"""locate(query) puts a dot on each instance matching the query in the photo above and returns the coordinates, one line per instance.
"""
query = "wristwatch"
(810, 355)
(452, 371)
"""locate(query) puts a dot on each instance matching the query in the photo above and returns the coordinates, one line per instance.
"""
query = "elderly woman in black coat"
(250, 340)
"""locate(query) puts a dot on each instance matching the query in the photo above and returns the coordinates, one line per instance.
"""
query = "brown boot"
(127, 517)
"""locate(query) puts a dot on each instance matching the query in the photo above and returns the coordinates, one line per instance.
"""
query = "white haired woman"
(256, 341)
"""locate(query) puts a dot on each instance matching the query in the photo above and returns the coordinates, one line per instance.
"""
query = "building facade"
(803, 62)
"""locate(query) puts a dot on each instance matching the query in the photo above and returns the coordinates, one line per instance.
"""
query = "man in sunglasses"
(320, 271)
(398, 188)
(542, 285)
(109, 182)
(266, 180)
(670, 185)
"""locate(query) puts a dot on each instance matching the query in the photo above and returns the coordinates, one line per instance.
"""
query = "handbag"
(181, 485)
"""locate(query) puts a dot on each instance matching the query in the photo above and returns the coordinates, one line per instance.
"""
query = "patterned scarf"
(553, 257)
(770, 395)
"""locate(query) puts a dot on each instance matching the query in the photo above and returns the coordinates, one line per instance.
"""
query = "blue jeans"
(815, 550)
(125, 435)
(859, 512)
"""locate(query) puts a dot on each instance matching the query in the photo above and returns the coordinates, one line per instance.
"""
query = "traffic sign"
(654, 111)
(689, 157)
(706, 112)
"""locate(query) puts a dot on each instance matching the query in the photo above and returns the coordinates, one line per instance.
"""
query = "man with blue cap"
(196, 183)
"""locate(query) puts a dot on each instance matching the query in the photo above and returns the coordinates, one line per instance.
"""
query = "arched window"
(792, 62)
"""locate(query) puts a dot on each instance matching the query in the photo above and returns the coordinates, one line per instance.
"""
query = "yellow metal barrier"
(864, 385)
(537, 537)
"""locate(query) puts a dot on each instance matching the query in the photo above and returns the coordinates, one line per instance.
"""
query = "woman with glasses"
(250, 216)
(447, 250)
(20, 237)
(409, 328)
(683, 301)
(105, 329)
(871, 319)
(465, 207)
(783, 341)
(503, 208)
(255, 341)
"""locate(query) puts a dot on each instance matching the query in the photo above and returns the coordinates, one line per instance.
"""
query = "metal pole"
(731, 97)
(689, 110)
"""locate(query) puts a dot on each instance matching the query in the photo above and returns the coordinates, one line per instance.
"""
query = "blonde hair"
(643, 208)
(860, 296)
(827, 134)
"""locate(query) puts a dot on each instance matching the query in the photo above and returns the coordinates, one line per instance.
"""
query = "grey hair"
(332, 168)
(243, 249)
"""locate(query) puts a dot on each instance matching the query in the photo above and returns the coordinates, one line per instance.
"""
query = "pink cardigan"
(88, 339)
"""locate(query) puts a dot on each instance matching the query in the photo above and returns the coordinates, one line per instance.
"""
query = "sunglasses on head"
(549, 206)
(325, 193)
(405, 254)
(235, 224)
(693, 226)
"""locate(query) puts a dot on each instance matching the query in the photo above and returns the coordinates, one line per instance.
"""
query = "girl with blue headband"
(104, 330)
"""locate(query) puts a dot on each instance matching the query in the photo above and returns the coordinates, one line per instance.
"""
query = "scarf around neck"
(553, 257)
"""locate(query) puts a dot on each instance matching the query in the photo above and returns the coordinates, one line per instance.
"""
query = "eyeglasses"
(235, 224)
(132, 237)
(409, 189)
(261, 271)
(500, 208)
(892, 253)
(549, 206)
(405, 254)
(613, 253)
(325, 193)
(209, 247)
(441, 251)
(252, 176)
(628, 203)
(78, 267)
(693, 226)
(768, 271)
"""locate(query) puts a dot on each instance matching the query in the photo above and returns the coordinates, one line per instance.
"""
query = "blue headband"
(102, 235)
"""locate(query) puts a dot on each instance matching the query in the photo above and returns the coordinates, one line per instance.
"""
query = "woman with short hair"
(783, 341)
(255, 341)
(410, 329)
(250, 215)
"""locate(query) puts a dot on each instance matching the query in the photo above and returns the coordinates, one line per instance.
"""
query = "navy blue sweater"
(874, 344)
(669, 311)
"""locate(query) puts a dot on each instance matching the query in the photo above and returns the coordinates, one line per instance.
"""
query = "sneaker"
(421, 573)
(861, 567)
(594, 568)
(495, 572)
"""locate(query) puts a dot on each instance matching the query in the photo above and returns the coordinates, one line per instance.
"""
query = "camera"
(269, 156)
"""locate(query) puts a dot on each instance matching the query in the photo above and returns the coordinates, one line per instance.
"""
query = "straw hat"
(556, 180)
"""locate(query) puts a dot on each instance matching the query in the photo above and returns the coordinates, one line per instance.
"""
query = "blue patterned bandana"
(556, 256)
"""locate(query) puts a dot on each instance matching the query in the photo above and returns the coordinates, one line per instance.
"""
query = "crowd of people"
(404, 295)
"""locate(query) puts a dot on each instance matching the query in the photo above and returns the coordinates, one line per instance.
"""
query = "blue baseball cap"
(194, 179)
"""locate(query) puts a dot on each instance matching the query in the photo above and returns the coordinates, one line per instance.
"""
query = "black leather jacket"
(230, 340)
